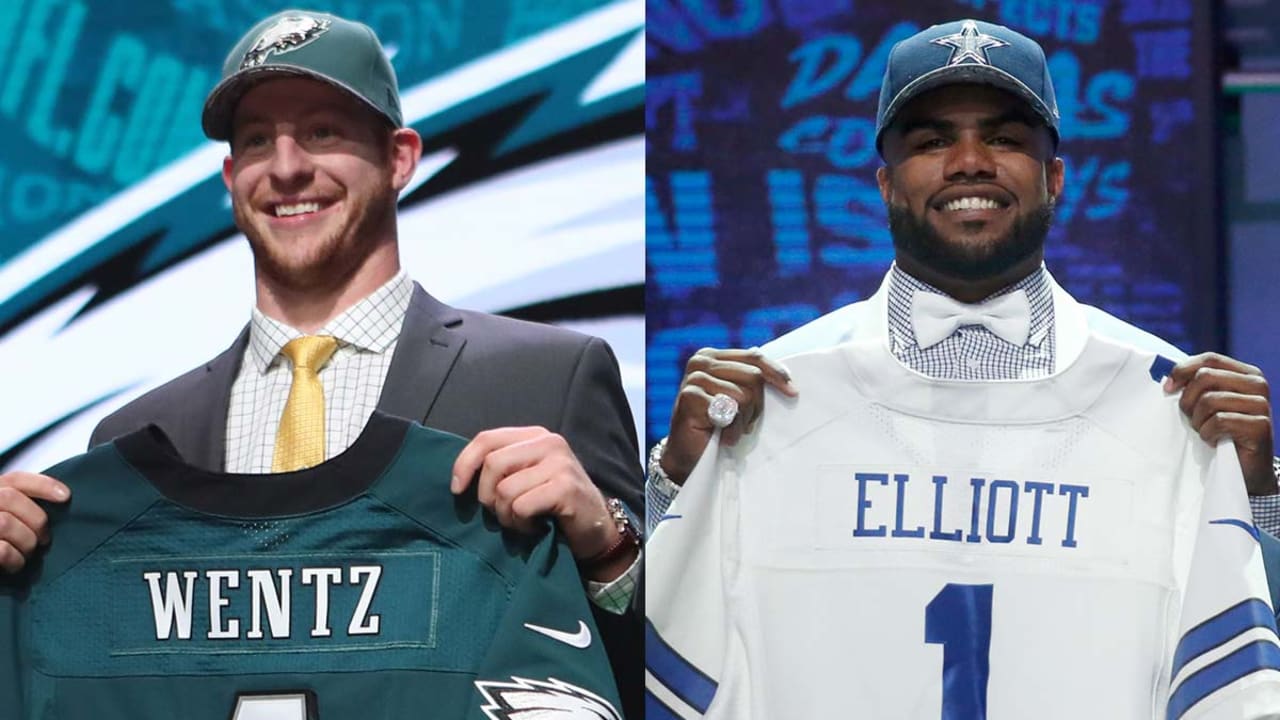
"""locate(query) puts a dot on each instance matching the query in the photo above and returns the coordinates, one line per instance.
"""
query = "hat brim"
(220, 106)
(971, 75)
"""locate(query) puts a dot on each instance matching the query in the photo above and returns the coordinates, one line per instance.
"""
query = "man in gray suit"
(318, 156)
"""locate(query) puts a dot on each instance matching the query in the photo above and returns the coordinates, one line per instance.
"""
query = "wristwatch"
(628, 536)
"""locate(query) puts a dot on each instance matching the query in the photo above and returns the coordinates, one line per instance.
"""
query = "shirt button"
(972, 363)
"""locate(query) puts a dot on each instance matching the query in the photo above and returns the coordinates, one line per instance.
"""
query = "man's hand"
(23, 524)
(740, 374)
(1224, 397)
(530, 472)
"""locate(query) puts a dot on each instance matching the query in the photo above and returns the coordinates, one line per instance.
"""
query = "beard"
(301, 263)
(917, 238)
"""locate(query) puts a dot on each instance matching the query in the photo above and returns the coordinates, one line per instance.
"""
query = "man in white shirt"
(754, 608)
(970, 199)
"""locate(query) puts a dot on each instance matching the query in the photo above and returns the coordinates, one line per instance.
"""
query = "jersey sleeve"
(1226, 659)
(686, 628)
(546, 658)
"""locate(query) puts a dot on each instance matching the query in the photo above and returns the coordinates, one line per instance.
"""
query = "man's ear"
(227, 166)
(406, 151)
(1055, 175)
(884, 178)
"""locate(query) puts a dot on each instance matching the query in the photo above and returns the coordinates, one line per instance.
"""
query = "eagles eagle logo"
(288, 34)
(550, 699)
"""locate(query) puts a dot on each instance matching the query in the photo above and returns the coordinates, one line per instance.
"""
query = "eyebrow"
(1015, 115)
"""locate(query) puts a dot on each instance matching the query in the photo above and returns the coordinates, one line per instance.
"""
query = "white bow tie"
(934, 317)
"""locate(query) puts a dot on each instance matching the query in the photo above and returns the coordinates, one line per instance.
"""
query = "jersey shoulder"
(1113, 329)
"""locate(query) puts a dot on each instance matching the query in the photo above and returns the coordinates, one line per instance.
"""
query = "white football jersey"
(891, 546)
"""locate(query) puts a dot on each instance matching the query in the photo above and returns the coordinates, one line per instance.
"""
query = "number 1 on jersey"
(959, 619)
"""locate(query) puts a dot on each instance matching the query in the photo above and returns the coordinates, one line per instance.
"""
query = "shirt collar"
(902, 286)
(372, 324)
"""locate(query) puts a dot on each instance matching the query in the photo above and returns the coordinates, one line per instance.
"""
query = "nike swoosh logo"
(580, 639)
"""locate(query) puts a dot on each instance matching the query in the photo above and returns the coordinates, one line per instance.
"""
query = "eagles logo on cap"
(288, 34)
(299, 43)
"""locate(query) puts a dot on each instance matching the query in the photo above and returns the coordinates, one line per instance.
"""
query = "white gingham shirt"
(971, 353)
(367, 334)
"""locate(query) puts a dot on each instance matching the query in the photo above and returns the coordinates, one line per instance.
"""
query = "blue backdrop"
(761, 204)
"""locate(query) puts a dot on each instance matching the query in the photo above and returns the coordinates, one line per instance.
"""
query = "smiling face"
(314, 177)
(970, 181)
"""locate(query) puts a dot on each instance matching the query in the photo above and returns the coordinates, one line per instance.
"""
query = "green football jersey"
(361, 588)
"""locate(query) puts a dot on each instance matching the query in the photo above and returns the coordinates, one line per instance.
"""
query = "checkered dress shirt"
(971, 353)
(1266, 508)
(367, 334)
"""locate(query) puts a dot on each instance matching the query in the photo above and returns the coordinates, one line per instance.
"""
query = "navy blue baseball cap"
(967, 51)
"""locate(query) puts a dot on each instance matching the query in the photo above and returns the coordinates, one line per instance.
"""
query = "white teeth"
(971, 203)
(296, 209)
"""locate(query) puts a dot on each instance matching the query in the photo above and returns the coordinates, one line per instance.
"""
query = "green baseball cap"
(303, 43)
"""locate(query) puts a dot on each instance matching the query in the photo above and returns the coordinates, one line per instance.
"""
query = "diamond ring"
(722, 410)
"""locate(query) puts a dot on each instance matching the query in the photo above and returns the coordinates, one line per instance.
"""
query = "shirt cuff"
(659, 493)
(1266, 512)
(615, 595)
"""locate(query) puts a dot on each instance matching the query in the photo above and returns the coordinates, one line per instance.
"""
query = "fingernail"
(1168, 384)
(61, 492)
(454, 484)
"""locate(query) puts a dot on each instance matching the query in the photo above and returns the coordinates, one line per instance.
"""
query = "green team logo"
(524, 699)
(287, 35)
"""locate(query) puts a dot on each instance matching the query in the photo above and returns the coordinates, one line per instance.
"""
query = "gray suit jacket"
(462, 372)
(453, 370)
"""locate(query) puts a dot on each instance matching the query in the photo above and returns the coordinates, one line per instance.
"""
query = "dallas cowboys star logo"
(969, 44)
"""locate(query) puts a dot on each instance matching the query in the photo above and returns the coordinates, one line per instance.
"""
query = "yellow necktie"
(300, 439)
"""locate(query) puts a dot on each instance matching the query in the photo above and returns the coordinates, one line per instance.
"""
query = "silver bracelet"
(655, 472)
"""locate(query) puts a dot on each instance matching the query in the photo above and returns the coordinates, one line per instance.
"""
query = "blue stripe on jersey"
(667, 517)
(1257, 655)
(655, 709)
(1160, 367)
(1247, 527)
(679, 675)
(1220, 628)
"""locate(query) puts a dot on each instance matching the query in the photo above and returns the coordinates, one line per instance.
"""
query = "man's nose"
(290, 163)
(970, 157)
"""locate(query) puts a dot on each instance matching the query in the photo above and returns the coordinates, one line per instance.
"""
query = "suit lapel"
(201, 437)
(428, 346)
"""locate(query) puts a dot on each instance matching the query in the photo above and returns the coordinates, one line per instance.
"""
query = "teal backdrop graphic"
(120, 266)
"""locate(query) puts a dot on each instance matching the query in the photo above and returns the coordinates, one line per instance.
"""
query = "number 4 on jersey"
(959, 619)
